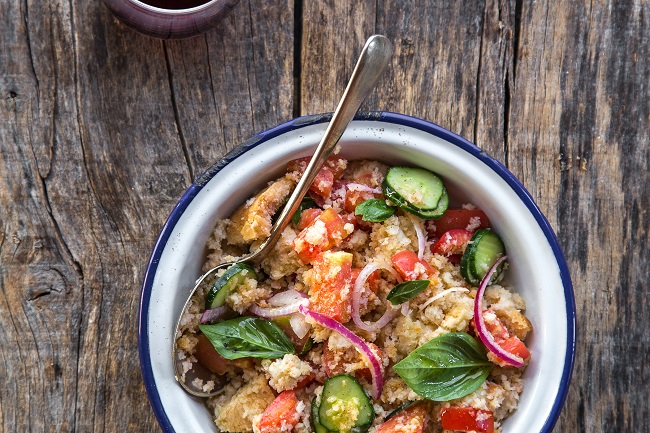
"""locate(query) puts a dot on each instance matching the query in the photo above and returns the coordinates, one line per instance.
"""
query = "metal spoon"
(370, 66)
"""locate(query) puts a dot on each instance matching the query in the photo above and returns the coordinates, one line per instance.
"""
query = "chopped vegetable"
(357, 342)
(357, 294)
(332, 275)
(502, 336)
(452, 242)
(305, 204)
(248, 336)
(406, 291)
(410, 267)
(463, 219)
(209, 357)
(449, 366)
(315, 421)
(415, 416)
(228, 282)
(325, 232)
(374, 210)
(483, 251)
(467, 419)
(484, 334)
(344, 405)
(413, 188)
(281, 415)
(282, 304)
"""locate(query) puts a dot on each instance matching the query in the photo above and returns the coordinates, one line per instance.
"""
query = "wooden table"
(102, 129)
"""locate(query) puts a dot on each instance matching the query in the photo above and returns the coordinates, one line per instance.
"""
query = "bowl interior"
(537, 270)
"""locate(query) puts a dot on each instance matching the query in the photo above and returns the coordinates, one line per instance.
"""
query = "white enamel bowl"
(537, 267)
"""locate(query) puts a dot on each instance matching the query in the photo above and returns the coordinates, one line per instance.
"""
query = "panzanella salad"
(380, 310)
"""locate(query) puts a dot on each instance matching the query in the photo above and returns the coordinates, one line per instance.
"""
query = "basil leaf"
(374, 210)
(248, 337)
(406, 291)
(449, 366)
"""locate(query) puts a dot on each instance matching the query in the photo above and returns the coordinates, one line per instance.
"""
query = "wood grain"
(101, 131)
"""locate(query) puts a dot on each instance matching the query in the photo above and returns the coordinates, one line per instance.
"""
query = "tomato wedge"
(281, 415)
(452, 242)
(467, 419)
(410, 267)
(307, 217)
(330, 291)
(502, 337)
(415, 416)
(466, 219)
(325, 178)
(326, 231)
(208, 356)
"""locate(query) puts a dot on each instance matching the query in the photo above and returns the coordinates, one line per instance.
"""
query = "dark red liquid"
(175, 4)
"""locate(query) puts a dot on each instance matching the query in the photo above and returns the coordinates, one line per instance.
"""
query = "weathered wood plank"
(93, 159)
(578, 138)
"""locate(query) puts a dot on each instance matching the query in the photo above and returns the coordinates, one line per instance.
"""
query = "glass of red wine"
(170, 19)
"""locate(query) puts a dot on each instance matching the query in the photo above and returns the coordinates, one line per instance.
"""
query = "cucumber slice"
(432, 214)
(318, 428)
(343, 397)
(483, 250)
(414, 188)
(233, 277)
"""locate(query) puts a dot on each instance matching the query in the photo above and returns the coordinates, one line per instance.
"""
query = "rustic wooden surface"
(101, 130)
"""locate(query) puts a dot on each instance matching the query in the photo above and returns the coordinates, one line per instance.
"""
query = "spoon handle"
(372, 62)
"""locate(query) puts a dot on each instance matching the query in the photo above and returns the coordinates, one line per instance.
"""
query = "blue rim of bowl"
(381, 116)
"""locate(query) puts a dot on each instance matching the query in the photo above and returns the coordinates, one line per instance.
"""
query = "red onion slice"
(210, 316)
(299, 325)
(287, 297)
(352, 186)
(419, 231)
(357, 342)
(441, 294)
(282, 304)
(357, 291)
(486, 337)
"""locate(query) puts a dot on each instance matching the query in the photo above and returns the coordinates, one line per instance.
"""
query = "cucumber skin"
(400, 175)
(318, 428)
(359, 428)
(213, 298)
(443, 204)
(467, 263)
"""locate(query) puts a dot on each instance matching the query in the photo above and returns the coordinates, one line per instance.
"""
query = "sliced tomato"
(452, 242)
(354, 197)
(323, 182)
(494, 325)
(323, 233)
(502, 336)
(415, 416)
(463, 418)
(410, 267)
(330, 291)
(466, 219)
(515, 346)
(208, 356)
(281, 415)
(308, 216)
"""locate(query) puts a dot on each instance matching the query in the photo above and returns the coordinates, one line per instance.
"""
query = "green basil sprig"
(374, 210)
(406, 291)
(449, 366)
(248, 337)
